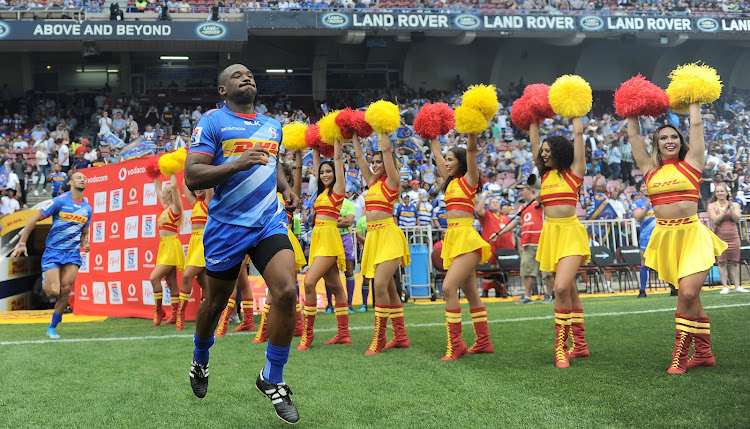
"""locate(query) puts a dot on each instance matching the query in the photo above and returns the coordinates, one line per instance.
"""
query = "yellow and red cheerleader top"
(460, 196)
(328, 203)
(674, 181)
(289, 214)
(199, 216)
(380, 197)
(560, 188)
(169, 221)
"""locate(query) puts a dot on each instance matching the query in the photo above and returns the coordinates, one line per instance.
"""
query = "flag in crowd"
(413, 150)
(404, 133)
(4, 174)
(620, 126)
(484, 153)
(525, 171)
(136, 148)
(111, 140)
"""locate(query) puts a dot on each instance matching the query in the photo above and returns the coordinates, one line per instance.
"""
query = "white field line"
(356, 328)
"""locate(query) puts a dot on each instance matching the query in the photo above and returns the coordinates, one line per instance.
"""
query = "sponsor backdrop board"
(113, 280)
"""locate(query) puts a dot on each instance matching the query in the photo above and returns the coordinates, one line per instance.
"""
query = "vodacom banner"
(114, 278)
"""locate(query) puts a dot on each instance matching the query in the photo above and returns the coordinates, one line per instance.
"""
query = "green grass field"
(124, 373)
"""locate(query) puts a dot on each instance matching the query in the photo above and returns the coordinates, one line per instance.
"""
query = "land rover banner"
(517, 22)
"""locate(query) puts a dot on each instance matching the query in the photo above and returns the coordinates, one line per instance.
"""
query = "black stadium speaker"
(417, 36)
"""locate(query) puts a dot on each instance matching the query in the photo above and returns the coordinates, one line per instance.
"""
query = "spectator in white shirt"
(8, 203)
(20, 144)
(197, 113)
(105, 123)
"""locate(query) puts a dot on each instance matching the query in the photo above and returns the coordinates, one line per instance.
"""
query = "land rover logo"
(591, 23)
(467, 22)
(211, 30)
(708, 25)
(335, 20)
(4, 30)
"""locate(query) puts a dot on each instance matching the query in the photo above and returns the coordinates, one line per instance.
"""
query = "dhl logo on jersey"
(236, 147)
(72, 217)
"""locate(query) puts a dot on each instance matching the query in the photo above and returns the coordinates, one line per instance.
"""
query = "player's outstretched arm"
(200, 173)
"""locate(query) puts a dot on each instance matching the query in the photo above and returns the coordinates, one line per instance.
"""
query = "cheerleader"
(681, 249)
(195, 263)
(385, 245)
(326, 249)
(295, 180)
(463, 247)
(563, 244)
(170, 257)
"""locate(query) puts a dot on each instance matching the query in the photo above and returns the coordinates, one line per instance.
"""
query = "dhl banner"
(114, 277)
(17, 220)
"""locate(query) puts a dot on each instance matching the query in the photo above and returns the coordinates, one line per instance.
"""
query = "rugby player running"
(234, 150)
(71, 216)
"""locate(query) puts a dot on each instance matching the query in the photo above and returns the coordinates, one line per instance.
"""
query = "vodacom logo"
(122, 174)
(98, 259)
(149, 256)
(84, 290)
(131, 289)
(114, 228)
(133, 193)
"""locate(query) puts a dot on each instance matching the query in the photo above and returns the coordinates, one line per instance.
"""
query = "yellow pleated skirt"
(170, 252)
(462, 238)
(384, 241)
(299, 256)
(562, 237)
(681, 247)
(326, 241)
(195, 255)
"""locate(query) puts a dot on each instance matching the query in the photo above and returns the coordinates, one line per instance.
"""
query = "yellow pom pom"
(693, 83)
(294, 136)
(483, 98)
(179, 155)
(329, 131)
(383, 116)
(469, 120)
(570, 96)
(170, 164)
(682, 109)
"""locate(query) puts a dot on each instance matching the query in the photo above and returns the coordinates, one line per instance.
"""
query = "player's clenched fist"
(252, 157)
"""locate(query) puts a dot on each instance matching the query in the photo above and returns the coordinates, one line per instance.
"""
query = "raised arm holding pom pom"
(681, 249)
(327, 255)
(463, 247)
(563, 244)
(385, 245)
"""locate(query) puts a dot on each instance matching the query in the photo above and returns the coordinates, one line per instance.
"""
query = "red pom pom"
(537, 96)
(639, 97)
(353, 121)
(434, 120)
(522, 114)
(312, 136)
(361, 126)
(326, 150)
(152, 167)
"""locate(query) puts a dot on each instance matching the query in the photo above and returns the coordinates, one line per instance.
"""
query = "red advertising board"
(114, 278)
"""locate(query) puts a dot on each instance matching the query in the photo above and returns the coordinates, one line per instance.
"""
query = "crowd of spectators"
(610, 6)
(237, 6)
(41, 137)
